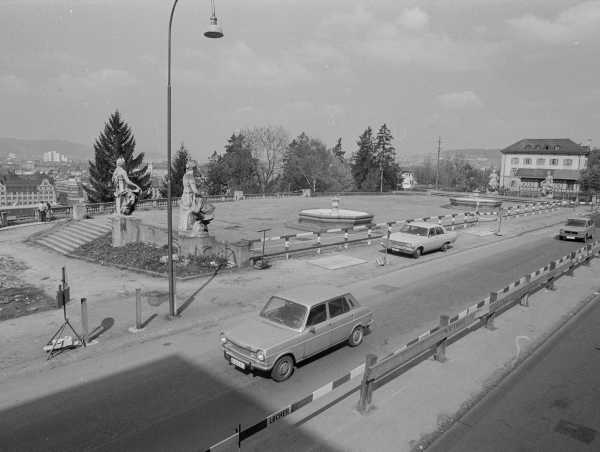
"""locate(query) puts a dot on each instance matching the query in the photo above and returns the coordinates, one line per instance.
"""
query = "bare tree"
(268, 145)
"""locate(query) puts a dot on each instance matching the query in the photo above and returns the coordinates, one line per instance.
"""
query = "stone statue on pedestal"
(126, 192)
(493, 182)
(195, 212)
(547, 185)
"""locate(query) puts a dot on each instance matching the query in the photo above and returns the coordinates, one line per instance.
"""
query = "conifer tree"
(182, 156)
(115, 141)
(385, 157)
(363, 159)
(337, 150)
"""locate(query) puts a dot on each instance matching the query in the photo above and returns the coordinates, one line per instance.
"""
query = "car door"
(316, 332)
(340, 319)
(430, 243)
(443, 236)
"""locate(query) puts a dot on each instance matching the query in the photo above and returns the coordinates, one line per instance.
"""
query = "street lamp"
(214, 31)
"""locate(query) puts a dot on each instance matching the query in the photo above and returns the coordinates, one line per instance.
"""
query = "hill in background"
(479, 158)
(34, 149)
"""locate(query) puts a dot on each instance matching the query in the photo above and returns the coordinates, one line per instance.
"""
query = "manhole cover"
(576, 431)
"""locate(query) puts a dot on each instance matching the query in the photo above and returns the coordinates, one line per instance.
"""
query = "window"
(554, 162)
(439, 230)
(540, 162)
(514, 161)
(568, 162)
(317, 314)
(338, 306)
(557, 147)
(527, 161)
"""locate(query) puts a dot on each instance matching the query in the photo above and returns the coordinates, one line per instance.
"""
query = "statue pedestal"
(79, 211)
(125, 230)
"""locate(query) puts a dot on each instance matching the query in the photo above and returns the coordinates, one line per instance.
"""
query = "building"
(71, 188)
(25, 190)
(528, 162)
(408, 180)
(53, 156)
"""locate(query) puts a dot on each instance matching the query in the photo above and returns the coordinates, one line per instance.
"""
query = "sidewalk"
(409, 410)
(208, 301)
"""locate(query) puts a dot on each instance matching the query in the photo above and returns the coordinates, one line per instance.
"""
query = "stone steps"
(74, 234)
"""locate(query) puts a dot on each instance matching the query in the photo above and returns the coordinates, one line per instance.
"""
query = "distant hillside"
(481, 158)
(34, 149)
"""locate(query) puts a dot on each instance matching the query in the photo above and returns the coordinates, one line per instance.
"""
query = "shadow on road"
(106, 324)
(169, 404)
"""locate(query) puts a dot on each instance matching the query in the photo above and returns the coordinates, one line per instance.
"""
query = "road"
(192, 398)
(550, 404)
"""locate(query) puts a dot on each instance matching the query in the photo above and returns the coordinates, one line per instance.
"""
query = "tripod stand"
(56, 343)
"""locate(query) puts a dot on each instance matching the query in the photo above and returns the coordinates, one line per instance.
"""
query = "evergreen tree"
(338, 152)
(363, 159)
(307, 164)
(590, 177)
(115, 141)
(385, 157)
(182, 156)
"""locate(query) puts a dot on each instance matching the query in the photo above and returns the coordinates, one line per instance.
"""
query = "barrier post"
(318, 243)
(588, 255)
(440, 348)
(345, 238)
(550, 282)
(571, 269)
(489, 319)
(524, 301)
(366, 386)
(287, 247)
(84, 319)
(138, 309)
(453, 220)
(369, 232)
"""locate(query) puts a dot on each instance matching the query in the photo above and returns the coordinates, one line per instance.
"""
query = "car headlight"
(260, 355)
(223, 338)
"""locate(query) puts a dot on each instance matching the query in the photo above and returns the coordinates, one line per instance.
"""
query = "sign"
(279, 415)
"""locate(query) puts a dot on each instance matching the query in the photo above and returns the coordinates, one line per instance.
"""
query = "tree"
(115, 141)
(268, 146)
(590, 177)
(182, 156)
(385, 157)
(363, 159)
(337, 150)
(307, 164)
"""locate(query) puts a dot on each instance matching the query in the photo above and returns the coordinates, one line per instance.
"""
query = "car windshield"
(284, 312)
(415, 230)
(576, 222)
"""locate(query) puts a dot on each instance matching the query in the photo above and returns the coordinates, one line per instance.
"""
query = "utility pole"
(437, 171)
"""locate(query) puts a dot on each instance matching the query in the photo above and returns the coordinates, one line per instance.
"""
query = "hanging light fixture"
(214, 30)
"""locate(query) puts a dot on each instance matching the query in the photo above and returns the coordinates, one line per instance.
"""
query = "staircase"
(74, 234)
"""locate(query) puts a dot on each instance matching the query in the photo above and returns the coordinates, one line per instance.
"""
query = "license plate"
(570, 237)
(237, 363)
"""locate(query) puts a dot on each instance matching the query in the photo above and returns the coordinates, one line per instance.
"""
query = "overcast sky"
(480, 73)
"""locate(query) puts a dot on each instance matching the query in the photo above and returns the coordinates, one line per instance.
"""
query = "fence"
(433, 341)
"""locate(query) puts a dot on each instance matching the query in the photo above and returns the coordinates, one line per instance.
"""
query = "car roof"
(311, 294)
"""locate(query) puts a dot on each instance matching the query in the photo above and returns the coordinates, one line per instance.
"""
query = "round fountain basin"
(475, 201)
(321, 219)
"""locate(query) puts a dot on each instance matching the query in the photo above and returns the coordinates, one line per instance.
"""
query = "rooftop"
(556, 146)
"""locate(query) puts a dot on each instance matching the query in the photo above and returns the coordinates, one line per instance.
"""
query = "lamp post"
(214, 31)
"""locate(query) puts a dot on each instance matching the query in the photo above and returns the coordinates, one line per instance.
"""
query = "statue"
(126, 192)
(547, 185)
(493, 182)
(195, 212)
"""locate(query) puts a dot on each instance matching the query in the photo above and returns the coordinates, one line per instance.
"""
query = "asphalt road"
(550, 404)
(176, 403)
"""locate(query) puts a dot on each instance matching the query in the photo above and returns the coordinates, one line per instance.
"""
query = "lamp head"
(214, 30)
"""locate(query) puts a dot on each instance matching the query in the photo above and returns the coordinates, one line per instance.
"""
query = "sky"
(478, 73)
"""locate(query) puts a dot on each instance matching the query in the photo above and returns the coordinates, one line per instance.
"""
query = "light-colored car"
(419, 237)
(577, 228)
(293, 326)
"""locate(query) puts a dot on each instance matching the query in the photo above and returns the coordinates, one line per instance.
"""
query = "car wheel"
(445, 246)
(356, 337)
(417, 253)
(283, 368)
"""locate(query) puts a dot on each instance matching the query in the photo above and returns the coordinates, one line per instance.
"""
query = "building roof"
(540, 173)
(554, 146)
(22, 184)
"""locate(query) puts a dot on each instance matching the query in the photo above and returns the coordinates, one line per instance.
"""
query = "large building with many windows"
(21, 191)
(526, 164)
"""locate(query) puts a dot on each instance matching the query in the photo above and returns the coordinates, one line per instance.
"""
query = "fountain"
(476, 201)
(318, 220)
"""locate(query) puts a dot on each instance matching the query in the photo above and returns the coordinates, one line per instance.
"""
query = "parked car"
(293, 326)
(577, 228)
(419, 237)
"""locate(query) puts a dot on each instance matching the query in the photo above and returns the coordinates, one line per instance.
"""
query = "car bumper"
(244, 362)
(399, 248)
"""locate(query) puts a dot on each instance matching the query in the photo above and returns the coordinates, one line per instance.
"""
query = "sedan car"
(293, 326)
(577, 228)
(419, 237)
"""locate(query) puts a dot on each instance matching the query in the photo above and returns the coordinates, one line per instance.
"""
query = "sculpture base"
(474, 202)
(319, 220)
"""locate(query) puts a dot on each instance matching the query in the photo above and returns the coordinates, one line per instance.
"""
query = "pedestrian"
(42, 211)
(48, 211)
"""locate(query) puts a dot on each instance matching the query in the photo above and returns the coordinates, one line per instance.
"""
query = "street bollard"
(369, 232)
(287, 247)
(84, 319)
(366, 386)
(346, 238)
(524, 301)
(440, 348)
(318, 243)
(138, 309)
(453, 220)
